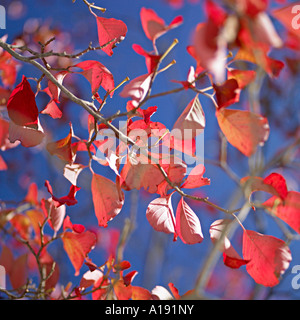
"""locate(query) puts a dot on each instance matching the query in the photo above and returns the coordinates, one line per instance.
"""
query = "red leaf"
(151, 59)
(274, 184)
(243, 129)
(123, 265)
(51, 109)
(69, 200)
(195, 178)
(154, 26)
(174, 291)
(21, 106)
(278, 182)
(269, 257)
(192, 119)
(108, 30)
(97, 75)
(77, 228)
(128, 278)
(227, 93)
(231, 258)
(108, 199)
(62, 148)
(160, 215)
(77, 246)
(287, 210)
(188, 225)
(233, 263)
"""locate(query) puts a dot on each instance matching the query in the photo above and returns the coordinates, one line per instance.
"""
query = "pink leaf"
(137, 89)
(160, 215)
(269, 257)
(192, 119)
(110, 31)
(108, 199)
(188, 225)
(29, 137)
(55, 215)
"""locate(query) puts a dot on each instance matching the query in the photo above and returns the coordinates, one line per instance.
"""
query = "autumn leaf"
(269, 257)
(108, 199)
(62, 148)
(188, 225)
(21, 106)
(191, 119)
(69, 200)
(97, 75)
(287, 210)
(77, 246)
(245, 130)
(137, 89)
(110, 32)
(231, 258)
(160, 215)
(152, 60)
(227, 93)
(55, 214)
(154, 26)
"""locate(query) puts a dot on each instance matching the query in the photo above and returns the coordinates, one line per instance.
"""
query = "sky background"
(155, 256)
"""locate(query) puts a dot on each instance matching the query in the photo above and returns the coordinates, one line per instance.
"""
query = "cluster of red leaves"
(265, 257)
